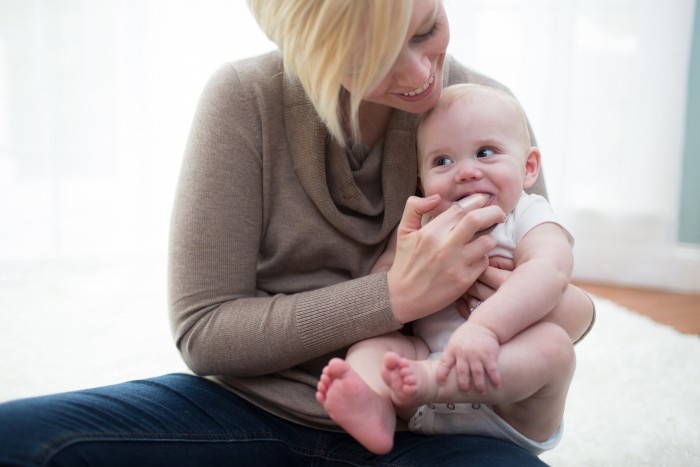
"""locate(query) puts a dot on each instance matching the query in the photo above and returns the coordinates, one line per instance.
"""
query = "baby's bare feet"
(411, 382)
(353, 405)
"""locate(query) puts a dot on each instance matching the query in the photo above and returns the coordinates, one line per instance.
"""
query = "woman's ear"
(532, 167)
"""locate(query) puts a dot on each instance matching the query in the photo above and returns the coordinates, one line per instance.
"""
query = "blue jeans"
(184, 420)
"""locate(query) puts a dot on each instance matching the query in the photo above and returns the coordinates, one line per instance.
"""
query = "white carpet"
(633, 402)
(635, 399)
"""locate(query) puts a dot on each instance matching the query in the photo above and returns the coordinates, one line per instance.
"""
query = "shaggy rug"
(634, 400)
(63, 326)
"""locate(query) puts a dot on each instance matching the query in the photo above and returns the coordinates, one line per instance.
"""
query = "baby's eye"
(442, 160)
(485, 152)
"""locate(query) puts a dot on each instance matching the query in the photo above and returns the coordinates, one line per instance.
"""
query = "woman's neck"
(374, 121)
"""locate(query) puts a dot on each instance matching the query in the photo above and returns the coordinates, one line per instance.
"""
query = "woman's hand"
(494, 276)
(436, 263)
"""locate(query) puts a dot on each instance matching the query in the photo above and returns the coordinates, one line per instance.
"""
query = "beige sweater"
(274, 231)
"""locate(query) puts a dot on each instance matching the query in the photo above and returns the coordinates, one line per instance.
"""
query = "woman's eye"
(427, 35)
(485, 152)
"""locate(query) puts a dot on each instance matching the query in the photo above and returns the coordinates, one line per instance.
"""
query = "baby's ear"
(532, 167)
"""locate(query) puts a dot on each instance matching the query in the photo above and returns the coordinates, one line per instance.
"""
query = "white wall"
(96, 100)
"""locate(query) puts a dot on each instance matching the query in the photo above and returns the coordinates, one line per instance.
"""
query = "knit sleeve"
(223, 324)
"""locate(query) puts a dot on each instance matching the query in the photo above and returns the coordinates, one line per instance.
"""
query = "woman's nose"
(412, 69)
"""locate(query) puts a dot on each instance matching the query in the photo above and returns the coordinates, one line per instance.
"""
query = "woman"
(297, 169)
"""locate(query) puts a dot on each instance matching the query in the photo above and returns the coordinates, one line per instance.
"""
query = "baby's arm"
(543, 263)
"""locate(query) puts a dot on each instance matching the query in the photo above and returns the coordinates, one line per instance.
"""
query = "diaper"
(475, 419)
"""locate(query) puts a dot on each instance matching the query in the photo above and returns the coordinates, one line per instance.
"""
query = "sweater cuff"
(342, 314)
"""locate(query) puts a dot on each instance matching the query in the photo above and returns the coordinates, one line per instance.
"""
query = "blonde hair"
(324, 42)
(469, 92)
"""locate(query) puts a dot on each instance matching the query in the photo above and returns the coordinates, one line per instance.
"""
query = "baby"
(504, 358)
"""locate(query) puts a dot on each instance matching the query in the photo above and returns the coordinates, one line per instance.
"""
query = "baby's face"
(473, 147)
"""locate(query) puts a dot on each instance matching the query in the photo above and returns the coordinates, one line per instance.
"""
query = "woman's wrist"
(398, 307)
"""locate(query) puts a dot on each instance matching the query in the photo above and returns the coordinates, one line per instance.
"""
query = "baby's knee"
(557, 348)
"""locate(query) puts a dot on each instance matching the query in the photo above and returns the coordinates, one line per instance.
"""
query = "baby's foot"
(353, 405)
(411, 382)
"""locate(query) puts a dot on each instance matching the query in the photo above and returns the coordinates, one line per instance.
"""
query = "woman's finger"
(494, 277)
(464, 305)
(473, 303)
(489, 281)
(472, 202)
(476, 224)
(501, 262)
(414, 211)
(442, 224)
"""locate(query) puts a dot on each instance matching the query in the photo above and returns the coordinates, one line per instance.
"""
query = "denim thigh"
(184, 420)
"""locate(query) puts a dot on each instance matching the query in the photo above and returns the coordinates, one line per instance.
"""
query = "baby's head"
(476, 140)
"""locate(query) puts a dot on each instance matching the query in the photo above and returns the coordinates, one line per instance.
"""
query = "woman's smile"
(420, 93)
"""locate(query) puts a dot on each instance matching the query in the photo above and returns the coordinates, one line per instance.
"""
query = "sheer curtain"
(604, 83)
(96, 99)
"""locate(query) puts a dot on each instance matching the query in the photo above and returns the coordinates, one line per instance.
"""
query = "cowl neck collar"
(323, 167)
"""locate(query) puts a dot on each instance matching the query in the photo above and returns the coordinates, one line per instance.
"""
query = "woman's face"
(414, 82)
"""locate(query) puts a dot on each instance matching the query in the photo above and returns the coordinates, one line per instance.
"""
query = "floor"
(682, 311)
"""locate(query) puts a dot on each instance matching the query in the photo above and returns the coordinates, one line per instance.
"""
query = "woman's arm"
(226, 318)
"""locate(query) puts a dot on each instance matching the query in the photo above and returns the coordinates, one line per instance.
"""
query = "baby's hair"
(324, 42)
(470, 92)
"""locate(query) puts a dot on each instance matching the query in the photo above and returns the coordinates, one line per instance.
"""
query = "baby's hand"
(473, 352)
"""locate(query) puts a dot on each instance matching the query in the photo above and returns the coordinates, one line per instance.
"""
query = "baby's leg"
(355, 396)
(542, 362)
(536, 368)
(575, 312)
